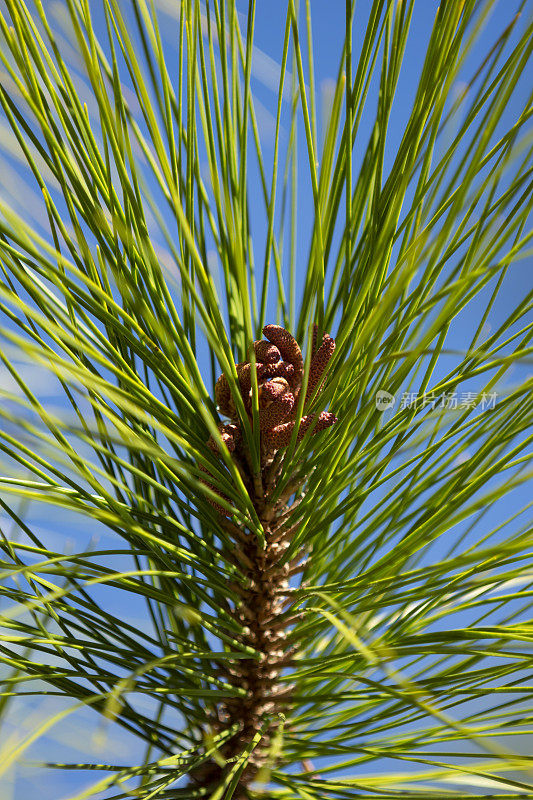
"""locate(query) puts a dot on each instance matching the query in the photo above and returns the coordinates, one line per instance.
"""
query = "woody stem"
(260, 694)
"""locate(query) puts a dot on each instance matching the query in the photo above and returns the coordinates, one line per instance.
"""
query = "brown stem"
(266, 626)
(265, 610)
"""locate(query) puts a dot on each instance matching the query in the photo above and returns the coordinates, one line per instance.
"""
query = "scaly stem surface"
(266, 620)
